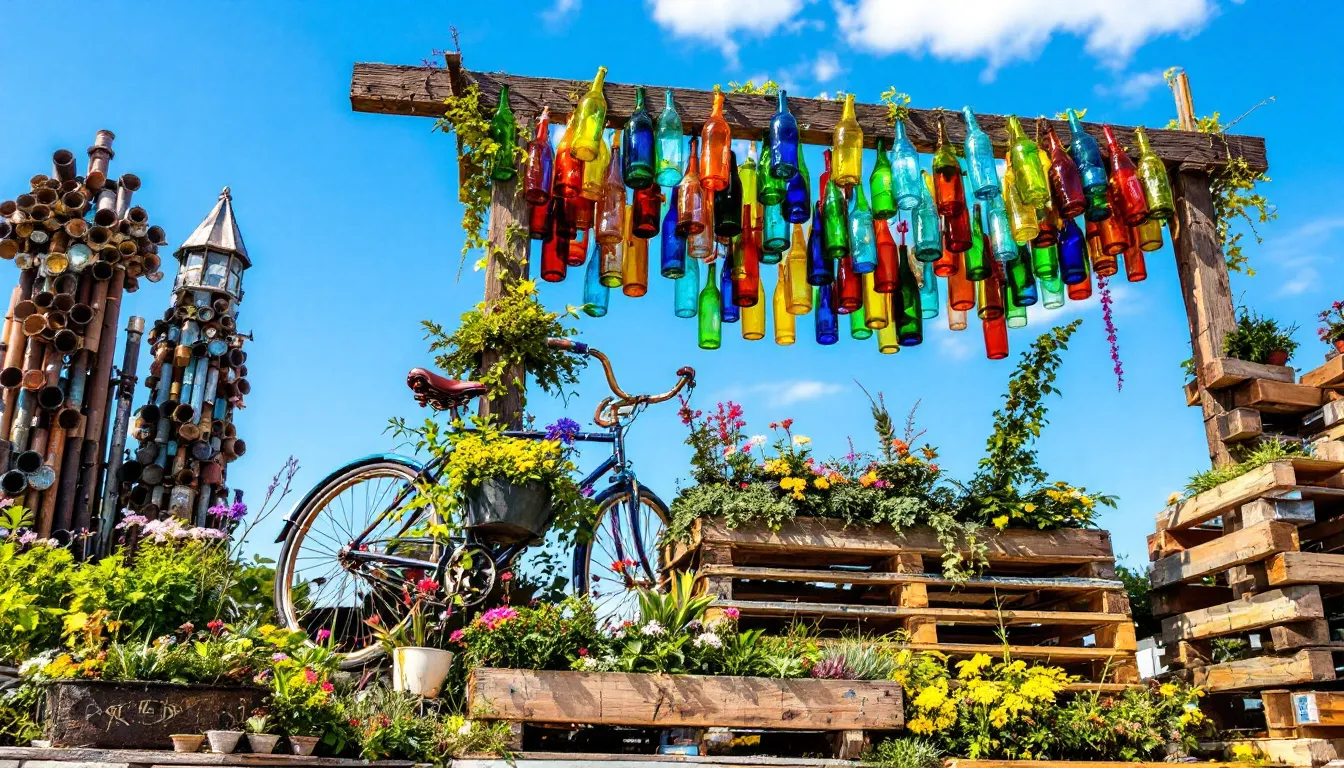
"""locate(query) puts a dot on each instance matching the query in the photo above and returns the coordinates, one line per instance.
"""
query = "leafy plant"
(388, 725)
(854, 659)
(258, 724)
(1246, 460)
(18, 715)
(1332, 323)
(907, 752)
(544, 636)
(767, 88)
(1256, 337)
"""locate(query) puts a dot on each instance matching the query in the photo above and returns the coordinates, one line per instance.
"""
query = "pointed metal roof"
(219, 231)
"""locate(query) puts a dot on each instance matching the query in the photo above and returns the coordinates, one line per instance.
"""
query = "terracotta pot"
(262, 743)
(1339, 345)
(420, 671)
(187, 742)
(223, 742)
(303, 745)
(1278, 357)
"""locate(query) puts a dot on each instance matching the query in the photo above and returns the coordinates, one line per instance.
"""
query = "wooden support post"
(507, 264)
(921, 629)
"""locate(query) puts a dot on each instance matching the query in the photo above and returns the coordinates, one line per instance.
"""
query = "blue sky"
(352, 219)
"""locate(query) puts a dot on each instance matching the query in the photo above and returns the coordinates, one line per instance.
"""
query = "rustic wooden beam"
(1279, 606)
(508, 213)
(1249, 545)
(1306, 666)
(420, 91)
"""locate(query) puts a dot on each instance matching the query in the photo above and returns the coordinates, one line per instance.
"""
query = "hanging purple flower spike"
(563, 430)
(1107, 309)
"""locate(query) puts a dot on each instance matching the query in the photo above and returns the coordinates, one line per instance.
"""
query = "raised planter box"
(130, 715)
(684, 701)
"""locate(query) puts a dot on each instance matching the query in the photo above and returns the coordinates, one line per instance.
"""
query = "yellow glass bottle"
(799, 292)
(753, 317)
(635, 264)
(888, 336)
(847, 147)
(595, 172)
(1021, 217)
(876, 305)
(786, 329)
(590, 117)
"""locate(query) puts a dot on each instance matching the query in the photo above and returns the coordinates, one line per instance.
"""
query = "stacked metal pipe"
(79, 243)
(197, 378)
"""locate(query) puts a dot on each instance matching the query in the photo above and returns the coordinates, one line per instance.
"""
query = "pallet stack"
(1054, 593)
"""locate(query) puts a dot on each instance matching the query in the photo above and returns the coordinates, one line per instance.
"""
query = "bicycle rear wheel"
(619, 553)
(319, 586)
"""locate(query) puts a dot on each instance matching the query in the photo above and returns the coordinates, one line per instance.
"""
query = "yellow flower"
(1244, 753)
(982, 692)
(931, 697)
(972, 666)
(1028, 507)
(920, 725)
(1000, 522)
(1173, 498)
(822, 483)
(1167, 690)
(998, 717)
(867, 478)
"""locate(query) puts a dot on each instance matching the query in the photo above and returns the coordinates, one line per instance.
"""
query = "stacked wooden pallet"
(1053, 593)
(1245, 577)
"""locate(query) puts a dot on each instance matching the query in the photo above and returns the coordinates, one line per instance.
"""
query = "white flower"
(710, 639)
(801, 439)
(757, 440)
(465, 730)
(653, 629)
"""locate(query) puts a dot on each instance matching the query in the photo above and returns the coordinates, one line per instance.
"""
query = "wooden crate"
(853, 710)
(1054, 592)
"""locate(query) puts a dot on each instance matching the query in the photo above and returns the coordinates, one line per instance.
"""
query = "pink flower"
(495, 617)
(327, 686)
(278, 657)
(456, 636)
(506, 576)
(426, 586)
(309, 675)
(731, 613)
(323, 635)
(583, 653)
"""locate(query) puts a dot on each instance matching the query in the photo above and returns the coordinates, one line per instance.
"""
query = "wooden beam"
(874, 578)
(1224, 372)
(508, 234)
(1248, 545)
(1316, 707)
(1170, 541)
(948, 616)
(1328, 376)
(1187, 597)
(1306, 666)
(1280, 606)
(1305, 568)
(1266, 481)
(1277, 396)
(1239, 424)
(421, 91)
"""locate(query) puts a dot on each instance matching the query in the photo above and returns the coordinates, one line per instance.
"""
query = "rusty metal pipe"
(100, 157)
(52, 460)
(63, 165)
(127, 185)
(156, 235)
(80, 314)
(101, 271)
(105, 207)
(45, 196)
(87, 496)
(14, 483)
(138, 219)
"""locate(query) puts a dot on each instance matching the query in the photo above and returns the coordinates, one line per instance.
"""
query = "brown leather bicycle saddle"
(442, 393)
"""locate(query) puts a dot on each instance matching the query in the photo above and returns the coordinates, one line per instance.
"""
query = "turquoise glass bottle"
(711, 324)
(882, 186)
(823, 314)
(685, 298)
(775, 234)
(1052, 292)
(672, 262)
(595, 294)
(984, 175)
(782, 138)
(928, 235)
(797, 195)
(862, 238)
(637, 154)
(928, 293)
(1086, 153)
(905, 171)
(671, 155)
(819, 270)
(1000, 231)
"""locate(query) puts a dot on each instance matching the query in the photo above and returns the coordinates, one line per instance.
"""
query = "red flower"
(506, 576)
(787, 423)
(327, 686)
(309, 675)
(216, 627)
(426, 587)
(583, 653)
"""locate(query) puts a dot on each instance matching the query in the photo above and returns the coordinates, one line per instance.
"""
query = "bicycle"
(343, 562)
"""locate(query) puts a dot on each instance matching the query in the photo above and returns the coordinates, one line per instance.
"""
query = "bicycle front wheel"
(319, 585)
(619, 553)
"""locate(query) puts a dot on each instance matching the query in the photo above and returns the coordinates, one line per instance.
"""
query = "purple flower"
(323, 634)
(563, 430)
(1108, 317)
(237, 511)
(587, 491)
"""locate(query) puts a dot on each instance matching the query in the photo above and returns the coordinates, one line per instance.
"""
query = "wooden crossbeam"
(420, 91)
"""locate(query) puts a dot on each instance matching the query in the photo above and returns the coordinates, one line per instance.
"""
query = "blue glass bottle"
(1086, 154)
(818, 266)
(1000, 231)
(775, 237)
(798, 195)
(670, 157)
(1072, 253)
(595, 294)
(862, 238)
(823, 313)
(928, 293)
(928, 237)
(782, 136)
(729, 312)
(686, 290)
(673, 247)
(905, 171)
(637, 160)
(984, 174)
(1020, 280)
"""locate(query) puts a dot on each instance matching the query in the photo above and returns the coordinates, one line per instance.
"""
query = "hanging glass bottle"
(847, 147)
(782, 138)
(928, 235)
(1020, 279)
(1069, 197)
(1136, 267)
(504, 132)
(769, 189)
(1000, 232)
(729, 312)
(686, 291)
(561, 220)
(1148, 235)
(797, 195)
(591, 117)
(775, 239)
(905, 171)
(670, 158)
(554, 255)
(984, 174)
(1048, 226)
(747, 174)
(882, 187)
(862, 246)
(948, 188)
(613, 258)
(960, 288)
(1045, 261)
(928, 293)
(611, 207)
(827, 325)
(1014, 313)
(539, 223)
(1025, 163)
(858, 325)
(1153, 175)
(889, 336)
(818, 266)
(595, 172)
(989, 296)
(885, 276)
(711, 328)
(1021, 217)
(746, 273)
(637, 154)
(1098, 209)
(1128, 194)
(956, 319)
(691, 197)
(753, 315)
(1052, 292)
(835, 224)
(1082, 289)
(595, 295)
(567, 179)
(798, 291)
(635, 265)
(874, 304)
(581, 212)
(1072, 253)
(976, 256)
(996, 338)
(848, 293)
(578, 249)
(1086, 154)
(946, 264)
(906, 309)
(715, 146)
(1114, 233)
(728, 203)
(700, 246)
(537, 180)
(785, 322)
(648, 203)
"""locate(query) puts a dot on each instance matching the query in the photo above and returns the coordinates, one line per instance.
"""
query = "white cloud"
(1002, 32)
(781, 393)
(1296, 257)
(717, 22)
(1132, 89)
(826, 67)
(955, 345)
(561, 11)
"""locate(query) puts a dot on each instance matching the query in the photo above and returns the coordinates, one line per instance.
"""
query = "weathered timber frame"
(1190, 156)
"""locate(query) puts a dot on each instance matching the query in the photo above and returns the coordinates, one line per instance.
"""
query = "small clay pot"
(303, 745)
(262, 743)
(223, 742)
(1339, 345)
(187, 742)
(1278, 357)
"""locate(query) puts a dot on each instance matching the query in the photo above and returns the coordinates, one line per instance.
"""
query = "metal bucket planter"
(504, 512)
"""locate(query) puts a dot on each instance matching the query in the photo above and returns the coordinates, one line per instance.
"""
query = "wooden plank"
(1328, 376)
(1191, 391)
(948, 616)
(1299, 512)
(1056, 653)
(145, 757)
(1279, 606)
(1240, 424)
(1188, 597)
(421, 91)
(1245, 546)
(1305, 568)
(832, 537)
(1277, 396)
(687, 701)
(1225, 372)
(592, 760)
(1307, 634)
(1302, 752)
(1173, 540)
(1306, 666)
(1332, 450)
(876, 578)
(1269, 480)
(1328, 415)
(507, 264)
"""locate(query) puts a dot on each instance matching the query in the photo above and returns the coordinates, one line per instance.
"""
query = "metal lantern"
(212, 261)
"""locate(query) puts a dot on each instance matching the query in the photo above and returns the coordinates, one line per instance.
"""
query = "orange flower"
(900, 445)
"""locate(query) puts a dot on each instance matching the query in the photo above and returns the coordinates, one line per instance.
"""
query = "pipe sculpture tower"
(78, 243)
(196, 379)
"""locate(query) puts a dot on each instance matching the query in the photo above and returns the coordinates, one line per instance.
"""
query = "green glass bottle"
(590, 117)
(747, 173)
(770, 190)
(977, 268)
(1021, 283)
(1156, 184)
(858, 326)
(835, 222)
(711, 325)
(1015, 314)
(1033, 188)
(1045, 262)
(504, 132)
(880, 186)
(905, 307)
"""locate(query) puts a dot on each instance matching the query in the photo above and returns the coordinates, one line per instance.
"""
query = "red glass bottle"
(746, 272)
(564, 225)
(956, 231)
(886, 275)
(539, 224)
(581, 212)
(1049, 230)
(568, 175)
(849, 291)
(996, 337)
(1136, 267)
(1065, 182)
(540, 156)
(960, 288)
(691, 197)
(578, 249)
(1114, 232)
(646, 221)
(555, 258)
(1081, 290)
(946, 264)
(1125, 182)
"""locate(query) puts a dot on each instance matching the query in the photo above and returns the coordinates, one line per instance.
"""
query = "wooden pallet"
(1054, 592)
(1328, 376)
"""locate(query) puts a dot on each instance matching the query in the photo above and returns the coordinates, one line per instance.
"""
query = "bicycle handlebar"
(621, 398)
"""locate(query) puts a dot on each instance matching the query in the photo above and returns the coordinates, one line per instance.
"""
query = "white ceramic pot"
(187, 742)
(262, 743)
(223, 742)
(420, 671)
(303, 745)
